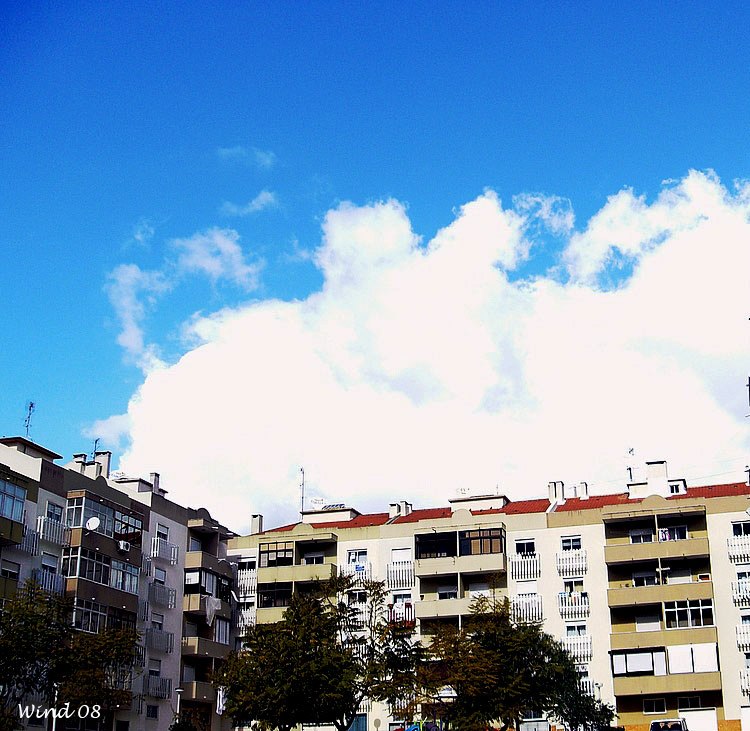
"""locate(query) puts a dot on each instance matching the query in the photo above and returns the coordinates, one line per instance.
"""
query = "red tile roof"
(729, 490)
(425, 514)
(359, 521)
(518, 507)
(594, 502)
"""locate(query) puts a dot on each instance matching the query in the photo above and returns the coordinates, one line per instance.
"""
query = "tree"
(321, 661)
(495, 669)
(42, 656)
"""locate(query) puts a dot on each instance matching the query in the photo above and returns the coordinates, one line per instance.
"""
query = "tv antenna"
(30, 408)
(302, 493)
(96, 446)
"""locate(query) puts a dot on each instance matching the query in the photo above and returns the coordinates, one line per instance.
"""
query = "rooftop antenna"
(302, 493)
(631, 455)
(30, 408)
(96, 446)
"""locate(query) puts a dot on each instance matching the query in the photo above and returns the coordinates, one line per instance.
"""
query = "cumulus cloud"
(264, 199)
(113, 431)
(262, 159)
(420, 367)
(554, 212)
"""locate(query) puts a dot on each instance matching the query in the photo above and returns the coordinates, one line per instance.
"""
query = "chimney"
(404, 507)
(583, 491)
(256, 524)
(394, 510)
(557, 492)
(80, 460)
(153, 478)
(103, 458)
(656, 476)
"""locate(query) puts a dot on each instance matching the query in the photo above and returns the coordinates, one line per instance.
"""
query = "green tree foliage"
(320, 662)
(44, 658)
(494, 669)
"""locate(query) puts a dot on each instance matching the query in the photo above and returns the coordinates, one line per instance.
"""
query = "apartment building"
(648, 588)
(128, 557)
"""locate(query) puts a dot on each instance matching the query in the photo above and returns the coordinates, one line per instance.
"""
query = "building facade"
(648, 589)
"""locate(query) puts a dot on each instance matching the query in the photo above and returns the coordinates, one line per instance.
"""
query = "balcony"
(432, 608)
(527, 608)
(201, 647)
(524, 566)
(52, 531)
(299, 573)
(741, 593)
(400, 575)
(634, 595)
(163, 550)
(679, 683)
(8, 588)
(571, 563)
(573, 604)
(11, 532)
(30, 542)
(738, 548)
(631, 552)
(578, 647)
(661, 638)
(745, 681)
(143, 609)
(52, 583)
(358, 571)
(247, 582)
(196, 604)
(245, 618)
(159, 640)
(162, 596)
(401, 612)
(198, 691)
(156, 687)
(269, 615)
(743, 637)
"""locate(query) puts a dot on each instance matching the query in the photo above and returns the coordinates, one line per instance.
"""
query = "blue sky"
(126, 127)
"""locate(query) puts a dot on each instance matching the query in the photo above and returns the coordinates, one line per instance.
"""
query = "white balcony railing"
(741, 592)
(164, 550)
(30, 541)
(527, 608)
(578, 647)
(52, 583)
(245, 619)
(159, 640)
(573, 605)
(738, 548)
(524, 566)
(247, 582)
(157, 687)
(745, 681)
(587, 686)
(52, 531)
(400, 575)
(571, 563)
(162, 596)
(358, 571)
(743, 637)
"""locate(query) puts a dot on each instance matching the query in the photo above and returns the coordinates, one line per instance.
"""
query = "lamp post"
(178, 691)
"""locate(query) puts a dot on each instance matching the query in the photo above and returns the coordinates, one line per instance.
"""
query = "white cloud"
(113, 431)
(554, 212)
(262, 159)
(143, 232)
(217, 254)
(419, 368)
(264, 199)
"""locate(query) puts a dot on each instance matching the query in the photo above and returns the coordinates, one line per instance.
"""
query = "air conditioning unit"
(123, 546)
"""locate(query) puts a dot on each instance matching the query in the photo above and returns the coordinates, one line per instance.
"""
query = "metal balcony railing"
(162, 595)
(157, 687)
(745, 681)
(401, 612)
(52, 583)
(571, 563)
(247, 582)
(143, 607)
(738, 548)
(743, 637)
(573, 605)
(159, 640)
(52, 531)
(741, 592)
(164, 550)
(524, 566)
(245, 619)
(578, 647)
(400, 575)
(30, 541)
(358, 571)
(527, 608)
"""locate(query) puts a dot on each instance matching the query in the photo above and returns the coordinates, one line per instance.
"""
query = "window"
(357, 556)
(357, 597)
(120, 619)
(698, 658)
(641, 535)
(526, 587)
(745, 617)
(688, 702)
(162, 531)
(570, 543)
(639, 662)
(575, 629)
(480, 542)
(12, 498)
(654, 705)
(645, 578)
(280, 553)
(89, 616)
(124, 577)
(157, 620)
(741, 529)
(10, 569)
(194, 544)
(128, 528)
(274, 595)
(221, 631)
(447, 592)
(79, 510)
(647, 622)
(54, 512)
(192, 577)
(152, 712)
(436, 545)
(154, 668)
(673, 533)
(160, 576)
(314, 557)
(526, 546)
(400, 554)
(573, 586)
(680, 575)
(691, 613)
(401, 597)
(49, 563)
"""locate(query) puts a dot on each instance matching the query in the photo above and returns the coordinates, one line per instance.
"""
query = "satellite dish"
(92, 523)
